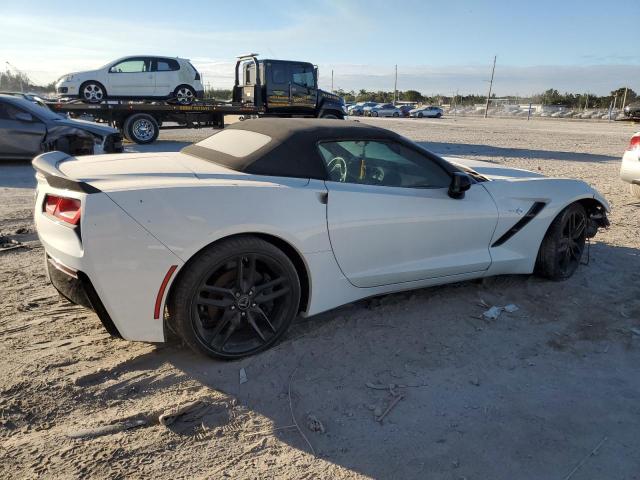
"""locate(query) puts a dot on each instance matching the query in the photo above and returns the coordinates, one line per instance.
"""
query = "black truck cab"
(284, 88)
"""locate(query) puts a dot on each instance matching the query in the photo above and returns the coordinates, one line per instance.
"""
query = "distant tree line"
(20, 82)
(549, 97)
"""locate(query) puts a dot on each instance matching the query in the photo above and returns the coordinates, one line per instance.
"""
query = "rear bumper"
(76, 287)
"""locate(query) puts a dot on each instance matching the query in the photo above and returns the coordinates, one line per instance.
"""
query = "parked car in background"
(632, 110)
(32, 97)
(426, 111)
(384, 110)
(405, 109)
(630, 169)
(358, 109)
(136, 77)
(28, 129)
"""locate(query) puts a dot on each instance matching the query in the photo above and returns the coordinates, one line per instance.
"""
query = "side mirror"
(24, 117)
(460, 183)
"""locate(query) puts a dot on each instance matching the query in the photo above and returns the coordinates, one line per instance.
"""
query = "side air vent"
(535, 209)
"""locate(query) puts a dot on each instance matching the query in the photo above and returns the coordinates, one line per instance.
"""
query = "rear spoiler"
(47, 165)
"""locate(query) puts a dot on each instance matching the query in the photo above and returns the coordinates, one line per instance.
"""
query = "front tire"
(92, 92)
(374, 114)
(235, 298)
(562, 246)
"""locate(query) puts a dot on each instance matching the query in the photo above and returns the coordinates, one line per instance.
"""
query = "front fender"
(514, 200)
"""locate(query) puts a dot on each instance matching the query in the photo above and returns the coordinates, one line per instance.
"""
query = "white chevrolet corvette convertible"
(227, 241)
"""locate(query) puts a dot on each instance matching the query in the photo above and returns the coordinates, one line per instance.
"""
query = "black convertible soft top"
(292, 150)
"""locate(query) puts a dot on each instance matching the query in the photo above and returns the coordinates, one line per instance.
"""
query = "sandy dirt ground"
(549, 391)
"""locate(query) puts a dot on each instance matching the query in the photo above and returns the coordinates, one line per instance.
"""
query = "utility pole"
(493, 70)
(624, 99)
(332, 81)
(395, 86)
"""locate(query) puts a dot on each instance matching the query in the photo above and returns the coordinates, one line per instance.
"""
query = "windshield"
(42, 112)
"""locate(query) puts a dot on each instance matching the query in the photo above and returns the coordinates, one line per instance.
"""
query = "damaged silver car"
(28, 129)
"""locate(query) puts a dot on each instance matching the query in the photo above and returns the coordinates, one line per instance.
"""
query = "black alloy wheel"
(563, 245)
(242, 297)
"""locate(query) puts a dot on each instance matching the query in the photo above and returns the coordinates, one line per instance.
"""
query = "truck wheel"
(141, 128)
(329, 116)
(92, 92)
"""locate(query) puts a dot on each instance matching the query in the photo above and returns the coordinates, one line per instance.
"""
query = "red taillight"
(634, 144)
(62, 208)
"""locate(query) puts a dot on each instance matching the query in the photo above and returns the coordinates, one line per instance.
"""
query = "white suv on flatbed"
(136, 77)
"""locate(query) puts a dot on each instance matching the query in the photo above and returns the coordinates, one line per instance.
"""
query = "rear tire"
(184, 95)
(235, 298)
(420, 114)
(635, 190)
(396, 114)
(562, 246)
(141, 128)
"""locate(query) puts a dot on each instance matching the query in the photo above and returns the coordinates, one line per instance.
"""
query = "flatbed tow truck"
(263, 88)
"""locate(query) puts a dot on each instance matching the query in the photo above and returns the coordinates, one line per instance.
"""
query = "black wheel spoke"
(224, 321)
(239, 272)
(221, 291)
(270, 284)
(230, 330)
(254, 325)
(252, 270)
(213, 302)
(578, 231)
(260, 312)
(267, 297)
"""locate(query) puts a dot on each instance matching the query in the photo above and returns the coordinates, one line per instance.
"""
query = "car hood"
(92, 127)
(84, 75)
(492, 171)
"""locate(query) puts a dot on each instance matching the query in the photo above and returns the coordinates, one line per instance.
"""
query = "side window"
(279, 73)
(132, 65)
(302, 75)
(9, 112)
(391, 164)
(166, 65)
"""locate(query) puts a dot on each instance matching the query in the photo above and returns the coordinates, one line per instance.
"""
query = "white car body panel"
(158, 210)
(630, 168)
(433, 234)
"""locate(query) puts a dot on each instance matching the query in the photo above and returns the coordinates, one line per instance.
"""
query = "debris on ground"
(635, 330)
(7, 243)
(102, 430)
(314, 424)
(243, 376)
(171, 415)
(494, 312)
(392, 404)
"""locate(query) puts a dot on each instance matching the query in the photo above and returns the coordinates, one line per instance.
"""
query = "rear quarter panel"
(188, 218)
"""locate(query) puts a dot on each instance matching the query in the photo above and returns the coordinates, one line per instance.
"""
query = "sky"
(440, 47)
